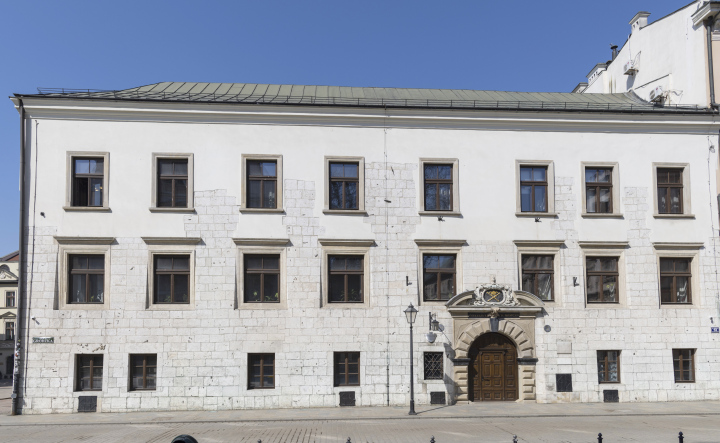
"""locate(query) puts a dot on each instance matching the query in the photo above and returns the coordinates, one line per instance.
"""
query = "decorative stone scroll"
(494, 295)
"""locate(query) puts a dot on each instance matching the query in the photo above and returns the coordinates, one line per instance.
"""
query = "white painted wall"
(202, 352)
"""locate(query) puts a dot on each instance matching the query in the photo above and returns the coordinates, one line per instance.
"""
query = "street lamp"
(410, 314)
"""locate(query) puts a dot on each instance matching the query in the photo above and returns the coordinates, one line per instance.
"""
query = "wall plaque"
(715, 329)
(43, 339)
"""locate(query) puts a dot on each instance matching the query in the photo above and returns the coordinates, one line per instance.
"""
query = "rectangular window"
(533, 189)
(608, 366)
(675, 278)
(261, 184)
(684, 365)
(87, 181)
(10, 299)
(87, 279)
(602, 279)
(438, 277)
(438, 187)
(143, 371)
(433, 365)
(670, 190)
(537, 275)
(89, 372)
(344, 185)
(347, 369)
(172, 183)
(598, 190)
(262, 278)
(10, 330)
(172, 278)
(261, 371)
(346, 278)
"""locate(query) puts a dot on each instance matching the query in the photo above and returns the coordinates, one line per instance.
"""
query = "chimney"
(614, 51)
(639, 21)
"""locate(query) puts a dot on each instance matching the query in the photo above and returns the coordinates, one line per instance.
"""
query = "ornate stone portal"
(495, 308)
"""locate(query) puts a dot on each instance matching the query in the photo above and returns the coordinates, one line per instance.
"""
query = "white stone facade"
(202, 351)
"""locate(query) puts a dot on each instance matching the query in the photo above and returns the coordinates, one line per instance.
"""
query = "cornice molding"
(346, 242)
(261, 241)
(539, 243)
(666, 246)
(171, 240)
(84, 240)
(604, 244)
(438, 243)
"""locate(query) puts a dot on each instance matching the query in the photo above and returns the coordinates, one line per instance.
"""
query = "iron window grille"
(261, 184)
(172, 278)
(537, 275)
(438, 187)
(261, 371)
(346, 274)
(433, 365)
(10, 330)
(262, 278)
(347, 369)
(10, 299)
(86, 278)
(439, 275)
(87, 182)
(344, 185)
(602, 279)
(684, 365)
(563, 382)
(89, 372)
(675, 278)
(172, 186)
(143, 372)
(608, 366)
(670, 190)
(598, 190)
(533, 189)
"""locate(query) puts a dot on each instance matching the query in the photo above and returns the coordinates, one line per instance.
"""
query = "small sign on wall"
(43, 339)
(715, 329)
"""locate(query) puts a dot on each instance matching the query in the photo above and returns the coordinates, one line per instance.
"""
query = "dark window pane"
(351, 170)
(525, 174)
(539, 174)
(682, 289)
(430, 197)
(444, 197)
(181, 294)
(354, 288)
(337, 263)
(430, 286)
(604, 175)
(181, 193)
(526, 199)
(336, 170)
(253, 262)
(95, 262)
(269, 194)
(662, 200)
(269, 169)
(254, 168)
(591, 199)
(540, 201)
(447, 286)
(95, 198)
(271, 263)
(528, 283)
(181, 167)
(79, 262)
(96, 290)
(591, 175)
(604, 200)
(431, 172)
(166, 167)
(252, 287)
(351, 195)
(271, 288)
(446, 261)
(544, 261)
(353, 379)
(545, 286)
(336, 196)
(444, 172)
(78, 289)
(666, 265)
(354, 263)
(82, 166)
(592, 264)
(336, 290)
(682, 265)
(164, 193)
(181, 263)
(80, 192)
(593, 288)
(610, 288)
(431, 261)
(608, 264)
(666, 289)
(163, 294)
(253, 194)
(164, 263)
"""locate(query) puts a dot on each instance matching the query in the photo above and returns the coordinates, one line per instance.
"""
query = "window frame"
(278, 159)
(70, 156)
(542, 247)
(334, 247)
(538, 271)
(145, 366)
(78, 367)
(692, 352)
(439, 272)
(674, 275)
(425, 365)
(9, 325)
(361, 185)
(155, 177)
(605, 249)
(690, 251)
(170, 246)
(686, 194)
(14, 299)
(455, 189)
(439, 247)
(261, 246)
(615, 191)
(602, 376)
(346, 275)
(550, 177)
(250, 364)
(172, 273)
(82, 246)
(87, 272)
(336, 364)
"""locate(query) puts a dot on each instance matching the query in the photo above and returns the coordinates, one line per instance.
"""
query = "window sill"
(261, 211)
(674, 215)
(536, 214)
(676, 305)
(170, 307)
(87, 208)
(345, 212)
(610, 382)
(435, 302)
(601, 215)
(441, 213)
(156, 209)
(343, 305)
(263, 306)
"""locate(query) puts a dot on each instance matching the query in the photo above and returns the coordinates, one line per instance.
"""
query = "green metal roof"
(251, 93)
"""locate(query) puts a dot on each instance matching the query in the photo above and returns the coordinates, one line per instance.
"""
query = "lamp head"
(411, 313)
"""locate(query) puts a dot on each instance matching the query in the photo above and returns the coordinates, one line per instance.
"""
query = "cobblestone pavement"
(635, 423)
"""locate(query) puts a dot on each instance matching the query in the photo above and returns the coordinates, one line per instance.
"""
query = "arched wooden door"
(493, 369)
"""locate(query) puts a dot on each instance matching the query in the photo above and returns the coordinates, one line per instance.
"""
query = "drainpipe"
(709, 23)
(21, 268)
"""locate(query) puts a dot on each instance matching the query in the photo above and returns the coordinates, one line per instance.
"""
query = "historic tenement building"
(8, 295)
(228, 246)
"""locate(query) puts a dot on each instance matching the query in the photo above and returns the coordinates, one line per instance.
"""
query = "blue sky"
(518, 45)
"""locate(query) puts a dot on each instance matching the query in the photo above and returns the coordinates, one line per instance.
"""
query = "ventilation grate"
(347, 398)
(87, 403)
(563, 382)
(437, 398)
(611, 396)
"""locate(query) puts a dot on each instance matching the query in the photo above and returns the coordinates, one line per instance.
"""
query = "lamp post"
(410, 314)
